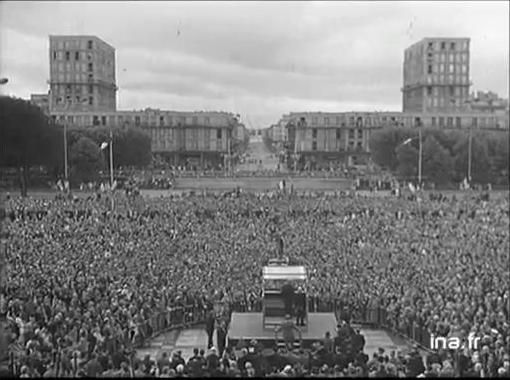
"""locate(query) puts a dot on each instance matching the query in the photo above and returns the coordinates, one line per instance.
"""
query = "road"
(258, 152)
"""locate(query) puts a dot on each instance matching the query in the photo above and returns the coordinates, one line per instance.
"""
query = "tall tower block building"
(82, 74)
(436, 75)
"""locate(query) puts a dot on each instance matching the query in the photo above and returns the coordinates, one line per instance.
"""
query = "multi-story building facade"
(198, 138)
(83, 94)
(82, 74)
(344, 137)
(436, 75)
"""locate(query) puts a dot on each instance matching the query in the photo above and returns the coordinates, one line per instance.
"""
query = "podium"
(274, 278)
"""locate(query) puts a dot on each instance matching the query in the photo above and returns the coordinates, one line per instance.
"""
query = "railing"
(185, 316)
(374, 316)
(160, 322)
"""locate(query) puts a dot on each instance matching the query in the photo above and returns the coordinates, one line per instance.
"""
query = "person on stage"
(288, 297)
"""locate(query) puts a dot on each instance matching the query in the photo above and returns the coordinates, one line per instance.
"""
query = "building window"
(194, 120)
(161, 120)
(338, 133)
(137, 121)
(429, 69)
(326, 121)
(68, 88)
(89, 44)
(452, 46)
(90, 77)
(360, 133)
(218, 133)
(103, 120)
(338, 120)
(417, 122)
(78, 99)
(54, 55)
(91, 89)
(77, 56)
(314, 145)
(360, 145)
(95, 120)
(314, 120)
(433, 121)
(70, 119)
(431, 45)
(351, 133)
(314, 133)
(474, 122)
(90, 66)
(452, 90)
(449, 121)
(443, 45)
(68, 56)
(207, 120)
(450, 68)
(458, 122)
(429, 90)
(441, 121)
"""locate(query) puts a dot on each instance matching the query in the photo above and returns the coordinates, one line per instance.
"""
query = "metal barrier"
(172, 318)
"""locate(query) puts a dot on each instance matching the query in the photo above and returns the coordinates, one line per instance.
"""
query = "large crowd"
(82, 277)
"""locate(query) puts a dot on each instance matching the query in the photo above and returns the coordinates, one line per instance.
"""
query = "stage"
(248, 326)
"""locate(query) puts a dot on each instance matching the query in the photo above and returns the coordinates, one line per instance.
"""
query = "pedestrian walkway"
(375, 339)
(175, 340)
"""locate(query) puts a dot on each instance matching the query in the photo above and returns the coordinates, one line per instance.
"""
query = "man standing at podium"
(288, 297)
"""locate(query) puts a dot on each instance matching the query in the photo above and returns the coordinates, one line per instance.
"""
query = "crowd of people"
(82, 277)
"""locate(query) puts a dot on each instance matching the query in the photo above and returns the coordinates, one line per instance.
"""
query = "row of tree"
(30, 138)
(445, 154)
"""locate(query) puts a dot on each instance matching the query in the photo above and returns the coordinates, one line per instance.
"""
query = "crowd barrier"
(378, 316)
(186, 316)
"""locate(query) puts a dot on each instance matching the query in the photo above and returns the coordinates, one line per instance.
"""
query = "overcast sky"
(258, 59)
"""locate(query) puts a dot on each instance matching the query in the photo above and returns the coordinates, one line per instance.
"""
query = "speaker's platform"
(248, 326)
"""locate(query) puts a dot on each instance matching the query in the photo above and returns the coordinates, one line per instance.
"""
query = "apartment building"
(82, 74)
(436, 75)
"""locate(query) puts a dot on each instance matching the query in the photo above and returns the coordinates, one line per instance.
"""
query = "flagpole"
(111, 159)
(111, 165)
(420, 159)
(66, 175)
(470, 146)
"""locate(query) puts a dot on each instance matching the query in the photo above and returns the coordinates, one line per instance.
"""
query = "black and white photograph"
(195, 189)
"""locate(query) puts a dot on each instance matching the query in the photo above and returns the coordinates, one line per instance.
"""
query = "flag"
(412, 188)
(114, 186)
(104, 145)
(407, 141)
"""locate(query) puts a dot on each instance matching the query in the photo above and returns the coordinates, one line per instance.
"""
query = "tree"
(437, 162)
(86, 160)
(385, 143)
(131, 146)
(480, 163)
(407, 161)
(28, 138)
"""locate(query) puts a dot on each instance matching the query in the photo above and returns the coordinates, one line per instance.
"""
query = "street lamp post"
(420, 153)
